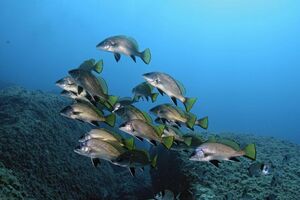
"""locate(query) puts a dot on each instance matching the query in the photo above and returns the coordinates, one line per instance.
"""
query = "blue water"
(240, 58)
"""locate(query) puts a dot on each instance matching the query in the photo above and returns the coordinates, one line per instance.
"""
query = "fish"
(125, 101)
(68, 83)
(214, 152)
(173, 114)
(102, 134)
(144, 90)
(259, 168)
(144, 130)
(166, 195)
(92, 65)
(97, 150)
(81, 97)
(168, 85)
(135, 158)
(130, 112)
(95, 86)
(177, 134)
(86, 112)
(122, 44)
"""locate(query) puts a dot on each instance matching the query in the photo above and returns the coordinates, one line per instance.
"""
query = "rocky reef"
(37, 158)
(37, 161)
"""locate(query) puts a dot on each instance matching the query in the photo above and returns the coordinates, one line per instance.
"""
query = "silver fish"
(173, 88)
(86, 112)
(215, 152)
(124, 45)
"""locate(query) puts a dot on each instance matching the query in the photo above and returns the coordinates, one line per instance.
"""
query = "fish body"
(133, 158)
(86, 112)
(102, 134)
(96, 148)
(130, 112)
(215, 152)
(89, 82)
(168, 85)
(124, 45)
(144, 90)
(174, 114)
(144, 130)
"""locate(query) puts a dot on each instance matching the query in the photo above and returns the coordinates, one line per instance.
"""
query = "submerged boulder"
(36, 150)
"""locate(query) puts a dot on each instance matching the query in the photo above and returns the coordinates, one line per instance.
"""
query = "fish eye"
(85, 149)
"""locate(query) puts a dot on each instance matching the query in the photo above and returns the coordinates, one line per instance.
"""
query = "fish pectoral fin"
(174, 100)
(95, 161)
(160, 91)
(178, 124)
(132, 171)
(76, 113)
(140, 138)
(142, 169)
(153, 142)
(79, 89)
(133, 58)
(234, 159)
(215, 162)
(117, 56)
(95, 123)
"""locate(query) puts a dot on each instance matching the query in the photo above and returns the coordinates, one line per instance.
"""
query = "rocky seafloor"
(37, 161)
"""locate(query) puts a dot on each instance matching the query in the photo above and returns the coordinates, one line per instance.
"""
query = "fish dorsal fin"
(230, 143)
(103, 84)
(159, 129)
(134, 42)
(87, 65)
(182, 88)
(147, 117)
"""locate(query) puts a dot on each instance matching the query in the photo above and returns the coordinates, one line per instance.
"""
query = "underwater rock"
(36, 149)
(232, 180)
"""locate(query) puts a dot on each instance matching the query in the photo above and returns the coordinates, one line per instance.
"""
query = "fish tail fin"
(188, 141)
(250, 151)
(111, 101)
(129, 143)
(154, 97)
(203, 122)
(168, 141)
(110, 120)
(98, 67)
(146, 56)
(154, 161)
(191, 121)
(188, 103)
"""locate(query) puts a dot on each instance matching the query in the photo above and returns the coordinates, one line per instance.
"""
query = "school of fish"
(172, 127)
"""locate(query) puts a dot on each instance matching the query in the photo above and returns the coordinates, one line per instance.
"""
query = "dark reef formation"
(37, 159)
